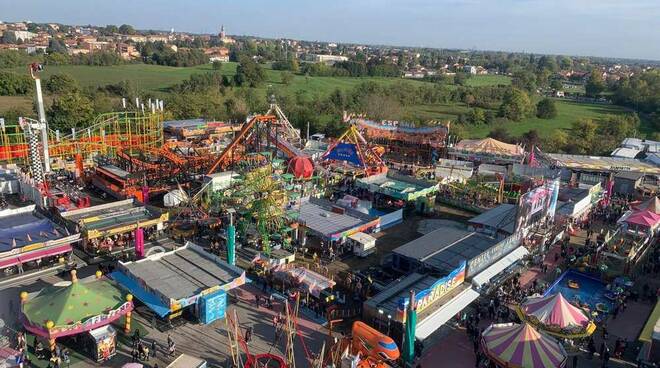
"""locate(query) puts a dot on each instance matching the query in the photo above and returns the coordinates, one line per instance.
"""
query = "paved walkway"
(208, 342)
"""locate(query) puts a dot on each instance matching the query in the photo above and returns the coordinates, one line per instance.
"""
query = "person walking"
(154, 346)
(592, 348)
(606, 358)
(248, 334)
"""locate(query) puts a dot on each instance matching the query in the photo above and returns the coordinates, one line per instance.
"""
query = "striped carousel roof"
(555, 310)
(521, 346)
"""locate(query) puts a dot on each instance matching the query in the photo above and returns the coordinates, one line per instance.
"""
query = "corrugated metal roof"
(445, 248)
(499, 217)
(318, 216)
(625, 152)
(183, 273)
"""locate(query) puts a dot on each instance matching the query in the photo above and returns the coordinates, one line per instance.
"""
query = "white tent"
(174, 198)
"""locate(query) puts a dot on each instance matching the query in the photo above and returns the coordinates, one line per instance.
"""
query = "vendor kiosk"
(102, 343)
(363, 244)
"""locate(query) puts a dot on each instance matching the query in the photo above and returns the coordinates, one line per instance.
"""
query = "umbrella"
(555, 315)
(521, 346)
(132, 365)
(409, 335)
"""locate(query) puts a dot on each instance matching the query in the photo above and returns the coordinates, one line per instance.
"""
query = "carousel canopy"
(555, 310)
(521, 346)
(77, 302)
(490, 146)
(644, 218)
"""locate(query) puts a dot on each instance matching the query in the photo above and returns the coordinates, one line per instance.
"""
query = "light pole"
(380, 319)
(389, 321)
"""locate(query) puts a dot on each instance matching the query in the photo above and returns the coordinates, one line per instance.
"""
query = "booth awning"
(499, 266)
(150, 300)
(431, 323)
(45, 253)
(37, 254)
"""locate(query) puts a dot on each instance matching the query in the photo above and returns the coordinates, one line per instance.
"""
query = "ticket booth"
(102, 343)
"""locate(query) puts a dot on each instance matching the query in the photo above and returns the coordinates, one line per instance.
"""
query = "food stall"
(102, 342)
(363, 244)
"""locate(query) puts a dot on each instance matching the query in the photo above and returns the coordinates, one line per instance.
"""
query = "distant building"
(96, 45)
(328, 59)
(217, 54)
(470, 69)
(20, 35)
(158, 38)
(127, 51)
(33, 48)
(223, 36)
(135, 38)
(418, 73)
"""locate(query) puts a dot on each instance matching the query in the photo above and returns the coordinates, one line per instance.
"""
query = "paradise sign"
(426, 297)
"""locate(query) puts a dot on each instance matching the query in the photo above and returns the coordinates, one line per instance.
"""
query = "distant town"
(128, 43)
(179, 200)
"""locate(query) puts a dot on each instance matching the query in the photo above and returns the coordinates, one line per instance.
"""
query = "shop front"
(116, 227)
(28, 240)
(438, 300)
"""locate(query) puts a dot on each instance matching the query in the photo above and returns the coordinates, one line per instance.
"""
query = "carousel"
(521, 346)
(87, 306)
(554, 315)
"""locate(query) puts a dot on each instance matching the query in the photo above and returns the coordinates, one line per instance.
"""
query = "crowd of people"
(59, 358)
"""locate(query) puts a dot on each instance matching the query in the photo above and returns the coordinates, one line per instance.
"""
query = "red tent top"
(652, 205)
(644, 218)
(301, 167)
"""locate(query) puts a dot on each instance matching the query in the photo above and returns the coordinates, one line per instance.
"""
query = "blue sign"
(440, 287)
(212, 306)
(345, 152)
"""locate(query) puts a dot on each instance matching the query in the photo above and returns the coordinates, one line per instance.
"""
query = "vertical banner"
(145, 194)
(139, 242)
(555, 195)
(231, 245)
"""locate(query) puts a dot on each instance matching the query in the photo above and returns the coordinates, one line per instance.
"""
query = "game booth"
(30, 240)
(437, 300)
(185, 279)
(390, 187)
(331, 223)
(116, 227)
(83, 311)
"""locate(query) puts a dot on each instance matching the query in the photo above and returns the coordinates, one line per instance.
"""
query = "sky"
(610, 28)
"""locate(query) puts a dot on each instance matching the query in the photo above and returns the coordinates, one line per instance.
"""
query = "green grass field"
(157, 79)
(147, 77)
(488, 80)
(567, 113)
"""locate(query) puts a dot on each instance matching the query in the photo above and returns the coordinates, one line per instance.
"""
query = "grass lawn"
(488, 80)
(11, 102)
(567, 113)
(438, 112)
(147, 77)
(157, 79)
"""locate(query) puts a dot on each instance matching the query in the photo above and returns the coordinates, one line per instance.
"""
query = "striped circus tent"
(556, 316)
(521, 346)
